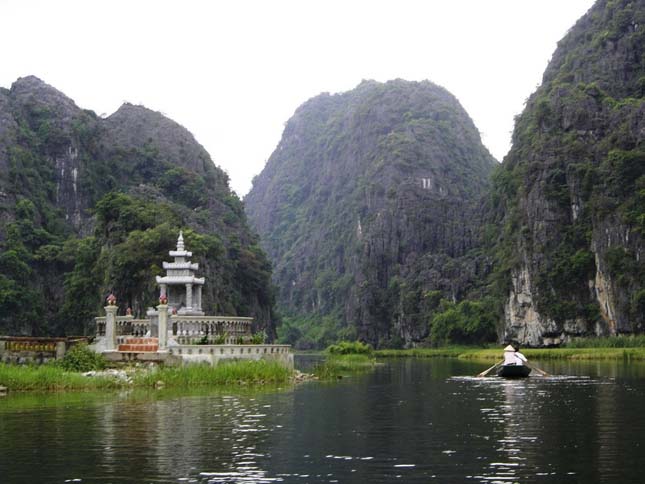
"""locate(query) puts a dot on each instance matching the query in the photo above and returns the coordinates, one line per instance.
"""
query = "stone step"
(138, 348)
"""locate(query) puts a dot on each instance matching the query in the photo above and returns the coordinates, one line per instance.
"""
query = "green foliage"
(51, 378)
(24, 256)
(56, 266)
(258, 338)
(606, 350)
(81, 284)
(220, 339)
(469, 322)
(566, 273)
(441, 352)
(55, 378)
(619, 341)
(350, 348)
(80, 358)
(562, 354)
(337, 366)
(313, 332)
(576, 171)
(118, 214)
(618, 260)
(638, 302)
(342, 210)
(183, 186)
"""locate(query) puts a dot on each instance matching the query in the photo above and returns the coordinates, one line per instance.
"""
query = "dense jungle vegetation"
(87, 211)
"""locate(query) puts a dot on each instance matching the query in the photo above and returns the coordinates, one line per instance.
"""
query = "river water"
(409, 421)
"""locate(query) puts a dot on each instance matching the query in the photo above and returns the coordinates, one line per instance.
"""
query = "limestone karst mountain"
(571, 193)
(369, 209)
(89, 205)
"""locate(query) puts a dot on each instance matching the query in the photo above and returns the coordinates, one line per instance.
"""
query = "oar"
(484, 373)
(541, 372)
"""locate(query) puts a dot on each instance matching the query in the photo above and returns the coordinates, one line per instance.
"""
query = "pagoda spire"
(180, 242)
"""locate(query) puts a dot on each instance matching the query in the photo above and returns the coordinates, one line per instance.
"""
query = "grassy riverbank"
(54, 378)
(51, 378)
(241, 373)
(589, 353)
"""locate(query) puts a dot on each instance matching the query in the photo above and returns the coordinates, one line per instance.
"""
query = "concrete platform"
(142, 356)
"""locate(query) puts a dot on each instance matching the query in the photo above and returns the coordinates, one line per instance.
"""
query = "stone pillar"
(153, 316)
(110, 328)
(189, 295)
(198, 303)
(162, 290)
(163, 326)
(61, 347)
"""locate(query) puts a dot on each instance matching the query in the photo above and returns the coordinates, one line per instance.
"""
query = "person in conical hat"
(509, 356)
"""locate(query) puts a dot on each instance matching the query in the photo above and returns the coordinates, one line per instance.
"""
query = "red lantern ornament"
(111, 300)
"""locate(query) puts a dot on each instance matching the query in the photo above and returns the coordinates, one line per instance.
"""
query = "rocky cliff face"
(369, 206)
(571, 192)
(111, 192)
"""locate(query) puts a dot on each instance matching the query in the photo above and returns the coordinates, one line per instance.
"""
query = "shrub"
(337, 365)
(258, 338)
(80, 358)
(469, 322)
(350, 348)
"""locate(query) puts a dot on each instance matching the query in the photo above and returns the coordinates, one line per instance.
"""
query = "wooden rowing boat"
(514, 371)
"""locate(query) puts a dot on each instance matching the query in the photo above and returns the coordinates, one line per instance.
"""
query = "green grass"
(620, 341)
(54, 378)
(444, 352)
(51, 378)
(238, 372)
(582, 353)
(350, 348)
(336, 366)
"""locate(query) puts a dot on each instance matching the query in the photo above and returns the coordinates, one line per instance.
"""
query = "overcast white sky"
(233, 72)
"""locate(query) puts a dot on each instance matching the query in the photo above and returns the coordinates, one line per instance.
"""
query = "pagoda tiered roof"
(180, 271)
(180, 280)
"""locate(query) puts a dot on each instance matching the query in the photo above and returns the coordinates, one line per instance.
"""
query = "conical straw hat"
(509, 348)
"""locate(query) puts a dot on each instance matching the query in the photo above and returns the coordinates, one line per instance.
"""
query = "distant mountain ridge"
(570, 195)
(370, 202)
(113, 192)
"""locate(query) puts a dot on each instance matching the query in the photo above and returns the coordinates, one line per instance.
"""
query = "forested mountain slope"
(571, 193)
(91, 205)
(370, 208)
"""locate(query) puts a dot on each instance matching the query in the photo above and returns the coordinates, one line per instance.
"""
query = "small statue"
(111, 300)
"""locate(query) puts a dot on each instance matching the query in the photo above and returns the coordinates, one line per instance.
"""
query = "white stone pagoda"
(176, 331)
(180, 286)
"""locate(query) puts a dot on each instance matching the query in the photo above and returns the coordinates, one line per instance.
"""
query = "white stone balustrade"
(140, 327)
(100, 325)
(192, 329)
(125, 326)
(185, 329)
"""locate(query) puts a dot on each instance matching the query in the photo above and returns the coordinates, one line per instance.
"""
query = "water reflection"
(410, 420)
(559, 428)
